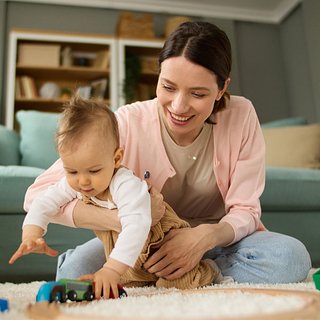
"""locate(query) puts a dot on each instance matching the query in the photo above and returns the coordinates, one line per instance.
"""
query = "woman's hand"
(179, 253)
(182, 249)
(157, 205)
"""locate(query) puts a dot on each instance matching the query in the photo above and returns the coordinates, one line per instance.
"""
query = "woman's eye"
(168, 88)
(198, 95)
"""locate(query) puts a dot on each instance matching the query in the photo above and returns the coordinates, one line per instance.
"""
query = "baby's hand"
(33, 246)
(105, 279)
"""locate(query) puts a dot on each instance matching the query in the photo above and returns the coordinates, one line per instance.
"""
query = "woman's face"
(186, 94)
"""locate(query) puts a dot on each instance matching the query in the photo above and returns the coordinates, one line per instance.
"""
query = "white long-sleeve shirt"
(130, 196)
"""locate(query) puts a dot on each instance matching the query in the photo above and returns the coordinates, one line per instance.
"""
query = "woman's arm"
(92, 217)
(95, 218)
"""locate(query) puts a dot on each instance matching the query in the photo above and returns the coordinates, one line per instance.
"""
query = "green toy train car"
(74, 290)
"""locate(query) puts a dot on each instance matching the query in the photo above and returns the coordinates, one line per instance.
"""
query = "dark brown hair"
(202, 43)
(80, 115)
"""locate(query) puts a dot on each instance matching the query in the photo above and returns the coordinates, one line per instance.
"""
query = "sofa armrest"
(9, 147)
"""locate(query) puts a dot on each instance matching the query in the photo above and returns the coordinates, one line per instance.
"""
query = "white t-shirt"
(130, 196)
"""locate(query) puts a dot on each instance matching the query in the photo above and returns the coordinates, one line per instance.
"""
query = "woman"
(204, 150)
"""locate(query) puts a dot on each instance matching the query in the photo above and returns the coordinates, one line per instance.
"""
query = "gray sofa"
(290, 202)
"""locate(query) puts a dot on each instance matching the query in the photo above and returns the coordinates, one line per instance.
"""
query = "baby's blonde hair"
(80, 115)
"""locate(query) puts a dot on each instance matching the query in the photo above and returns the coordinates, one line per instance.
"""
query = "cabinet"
(44, 68)
(120, 70)
(138, 69)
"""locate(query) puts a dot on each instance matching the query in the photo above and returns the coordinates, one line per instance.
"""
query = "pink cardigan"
(238, 161)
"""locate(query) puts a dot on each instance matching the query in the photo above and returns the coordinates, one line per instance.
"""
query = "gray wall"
(310, 17)
(297, 66)
(276, 66)
(2, 46)
(262, 75)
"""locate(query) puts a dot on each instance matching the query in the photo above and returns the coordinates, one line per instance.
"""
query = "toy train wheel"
(55, 297)
(89, 296)
(58, 294)
(72, 295)
(63, 297)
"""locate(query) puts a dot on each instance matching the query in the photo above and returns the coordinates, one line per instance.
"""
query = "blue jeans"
(263, 257)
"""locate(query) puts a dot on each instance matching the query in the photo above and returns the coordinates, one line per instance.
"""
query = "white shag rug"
(152, 303)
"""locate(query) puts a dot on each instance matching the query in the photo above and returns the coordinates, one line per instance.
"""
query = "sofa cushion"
(285, 122)
(9, 147)
(294, 146)
(289, 189)
(37, 131)
(14, 182)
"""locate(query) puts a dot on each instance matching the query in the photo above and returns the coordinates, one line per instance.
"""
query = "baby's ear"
(118, 156)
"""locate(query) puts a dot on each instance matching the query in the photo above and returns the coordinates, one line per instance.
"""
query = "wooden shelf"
(29, 68)
(75, 76)
(146, 51)
(67, 73)
(39, 104)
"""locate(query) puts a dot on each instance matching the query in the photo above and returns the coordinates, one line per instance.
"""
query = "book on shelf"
(95, 89)
(18, 89)
(102, 59)
(26, 88)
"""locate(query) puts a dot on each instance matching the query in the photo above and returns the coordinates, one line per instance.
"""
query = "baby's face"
(90, 165)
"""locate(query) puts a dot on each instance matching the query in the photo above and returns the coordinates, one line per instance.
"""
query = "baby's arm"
(131, 196)
(44, 181)
(132, 199)
(37, 219)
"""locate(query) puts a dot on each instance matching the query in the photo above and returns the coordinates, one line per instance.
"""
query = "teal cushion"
(291, 189)
(14, 182)
(285, 122)
(37, 131)
(9, 147)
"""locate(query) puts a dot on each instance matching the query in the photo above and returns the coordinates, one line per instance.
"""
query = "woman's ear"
(118, 156)
(224, 89)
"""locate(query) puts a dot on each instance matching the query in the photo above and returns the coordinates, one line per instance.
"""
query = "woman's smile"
(179, 119)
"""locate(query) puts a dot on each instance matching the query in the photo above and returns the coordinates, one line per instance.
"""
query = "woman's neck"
(182, 140)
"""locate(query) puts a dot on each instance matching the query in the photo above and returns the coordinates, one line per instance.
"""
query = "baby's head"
(88, 145)
(83, 117)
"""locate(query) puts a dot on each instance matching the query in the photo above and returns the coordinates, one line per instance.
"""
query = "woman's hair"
(80, 115)
(204, 44)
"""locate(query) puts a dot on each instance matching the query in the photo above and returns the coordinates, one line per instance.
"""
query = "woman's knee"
(84, 259)
(265, 257)
(287, 260)
(295, 258)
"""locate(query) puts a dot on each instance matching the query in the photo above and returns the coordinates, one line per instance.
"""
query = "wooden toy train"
(74, 290)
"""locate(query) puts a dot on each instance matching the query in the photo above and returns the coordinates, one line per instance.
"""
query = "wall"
(274, 66)
(310, 17)
(297, 66)
(2, 61)
(262, 75)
